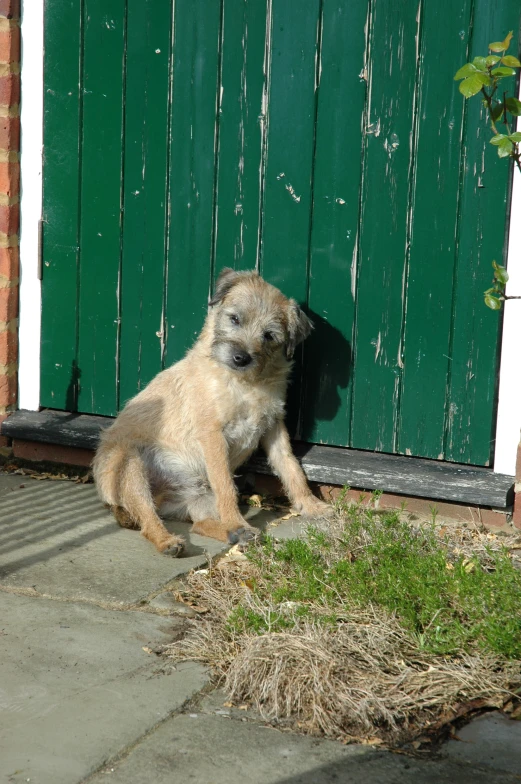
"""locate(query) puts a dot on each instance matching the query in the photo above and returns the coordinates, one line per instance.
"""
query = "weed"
(449, 603)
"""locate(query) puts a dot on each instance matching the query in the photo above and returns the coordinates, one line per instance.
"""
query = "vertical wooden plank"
(290, 146)
(62, 107)
(240, 134)
(192, 159)
(341, 99)
(289, 162)
(144, 200)
(103, 69)
(434, 221)
(472, 387)
(394, 35)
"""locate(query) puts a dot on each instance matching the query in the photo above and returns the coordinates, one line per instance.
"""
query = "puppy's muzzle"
(241, 358)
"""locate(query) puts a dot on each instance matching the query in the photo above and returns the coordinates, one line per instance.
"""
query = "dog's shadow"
(325, 376)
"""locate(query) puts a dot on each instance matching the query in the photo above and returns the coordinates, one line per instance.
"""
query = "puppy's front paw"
(314, 507)
(173, 546)
(244, 536)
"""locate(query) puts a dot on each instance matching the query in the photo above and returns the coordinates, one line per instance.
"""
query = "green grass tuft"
(448, 602)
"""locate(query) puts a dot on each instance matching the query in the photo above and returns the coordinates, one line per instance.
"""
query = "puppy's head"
(255, 327)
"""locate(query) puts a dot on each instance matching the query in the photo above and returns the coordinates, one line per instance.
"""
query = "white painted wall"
(508, 426)
(31, 203)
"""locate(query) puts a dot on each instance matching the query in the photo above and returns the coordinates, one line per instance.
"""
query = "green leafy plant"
(448, 600)
(484, 75)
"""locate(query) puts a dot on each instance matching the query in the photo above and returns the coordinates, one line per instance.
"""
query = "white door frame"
(30, 204)
(509, 407)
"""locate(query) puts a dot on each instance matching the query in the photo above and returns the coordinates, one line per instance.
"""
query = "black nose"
(241, 358)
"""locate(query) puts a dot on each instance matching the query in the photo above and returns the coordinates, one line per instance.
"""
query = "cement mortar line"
(6, 69)
(9, 283)
(10, 111)
(9, 156)
(8, 24)
(9, 201)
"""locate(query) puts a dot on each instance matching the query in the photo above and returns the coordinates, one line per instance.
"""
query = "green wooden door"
(323, 142)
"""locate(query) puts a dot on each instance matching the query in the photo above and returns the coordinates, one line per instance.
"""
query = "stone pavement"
(83, 698)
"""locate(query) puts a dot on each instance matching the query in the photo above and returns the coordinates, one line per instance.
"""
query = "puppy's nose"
(241, 358)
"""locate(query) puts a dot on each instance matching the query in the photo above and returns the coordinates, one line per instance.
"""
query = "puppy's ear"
(226, 280)
(299, 327)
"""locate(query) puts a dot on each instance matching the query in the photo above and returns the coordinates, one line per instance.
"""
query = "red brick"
(516, 515)
(10, 219)
(8, 390)
(10, 45)
(8, 304)
(10, 89)
(3, 440)
(10, 133)
(9, 263)
(10, 178)
(54, 453)
(10, 8)
(8, 350)
(495, 520)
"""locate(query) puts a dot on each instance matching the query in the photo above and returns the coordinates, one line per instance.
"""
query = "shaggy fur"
(173, 449)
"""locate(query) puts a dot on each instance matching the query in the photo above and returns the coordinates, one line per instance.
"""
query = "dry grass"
(361, 676)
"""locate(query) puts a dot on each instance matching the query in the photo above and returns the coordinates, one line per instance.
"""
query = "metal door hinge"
(40, 249)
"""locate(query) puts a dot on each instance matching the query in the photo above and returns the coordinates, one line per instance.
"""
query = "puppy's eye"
(268, 336)
(235, 319)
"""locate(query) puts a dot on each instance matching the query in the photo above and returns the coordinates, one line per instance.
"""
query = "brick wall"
(9, 201)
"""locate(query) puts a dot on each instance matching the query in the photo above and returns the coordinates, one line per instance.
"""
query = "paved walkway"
(82, 698)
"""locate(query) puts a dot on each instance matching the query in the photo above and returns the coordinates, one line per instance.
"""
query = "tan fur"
(175, 446)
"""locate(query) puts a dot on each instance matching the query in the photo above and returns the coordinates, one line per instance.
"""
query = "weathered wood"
(327, 464)
(99, 277)
(56, 427)
(147, 107)
(61, 179)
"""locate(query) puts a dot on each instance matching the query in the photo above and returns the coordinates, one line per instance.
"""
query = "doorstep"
(71, 438)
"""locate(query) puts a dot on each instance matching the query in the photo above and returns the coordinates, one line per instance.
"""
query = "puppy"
(174, 448)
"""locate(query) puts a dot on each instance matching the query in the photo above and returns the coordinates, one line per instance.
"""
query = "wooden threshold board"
(410, 476)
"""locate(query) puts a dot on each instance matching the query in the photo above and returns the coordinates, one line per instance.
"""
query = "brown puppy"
(175, 446)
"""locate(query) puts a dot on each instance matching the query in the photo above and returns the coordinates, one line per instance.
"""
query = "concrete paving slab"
(198, 747)
(492, 741)
(9, 482)
(56, 537)
(76, 686)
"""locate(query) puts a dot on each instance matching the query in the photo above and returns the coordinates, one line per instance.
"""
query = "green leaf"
(465, 70)
(497, 112)
(492, 302)
(484, 78)
(470, 86)
(501, 275)
(480, 63)
(504, 148)
(502, 71)
(492, 59)
(514, 106)
(515, 137)
(501, 46)
(511, 60)
(497, 139)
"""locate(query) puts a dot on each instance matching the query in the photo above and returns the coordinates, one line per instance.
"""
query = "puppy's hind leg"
(137, 505)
